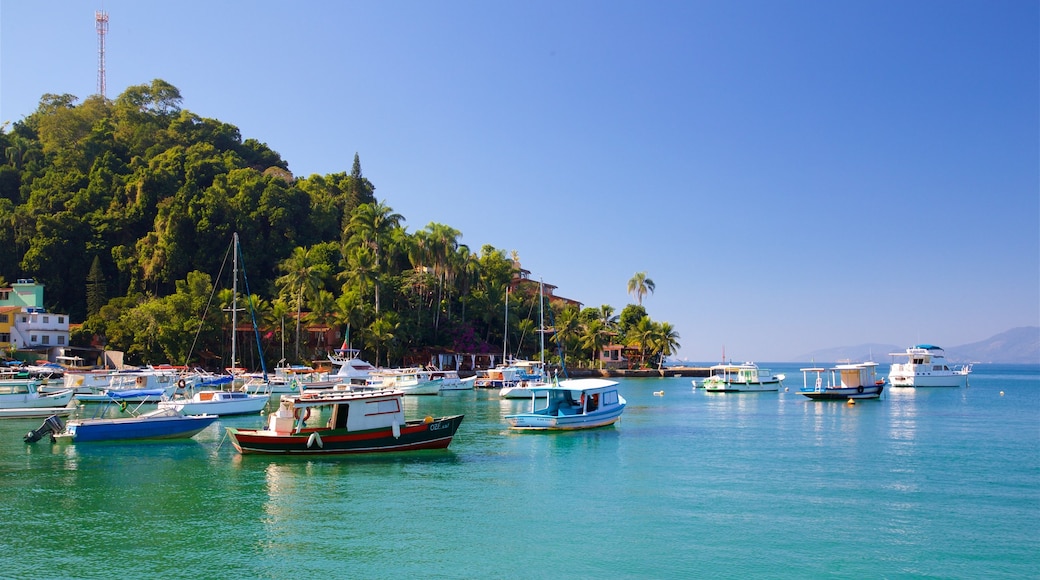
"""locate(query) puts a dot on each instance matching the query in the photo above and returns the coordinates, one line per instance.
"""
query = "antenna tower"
(101, 20)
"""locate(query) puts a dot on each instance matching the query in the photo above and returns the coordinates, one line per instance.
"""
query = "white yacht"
(926, 366)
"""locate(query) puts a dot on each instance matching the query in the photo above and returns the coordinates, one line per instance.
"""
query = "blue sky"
(792, 175)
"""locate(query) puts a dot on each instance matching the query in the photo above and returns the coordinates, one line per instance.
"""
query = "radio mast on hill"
(101, 20)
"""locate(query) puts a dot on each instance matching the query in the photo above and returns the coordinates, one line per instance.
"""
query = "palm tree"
(443, 243)
(595, 335)
(372, 225)
(382, 332)
(607, 317)
(303, 277)
(639, 285)
(665, 342)
(641, 335)
(280, 309)
(322, 307)
(360, 270)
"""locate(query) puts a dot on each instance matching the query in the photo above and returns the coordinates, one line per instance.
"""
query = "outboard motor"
(51, 426)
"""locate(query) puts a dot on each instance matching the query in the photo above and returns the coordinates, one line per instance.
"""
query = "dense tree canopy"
(124, 210)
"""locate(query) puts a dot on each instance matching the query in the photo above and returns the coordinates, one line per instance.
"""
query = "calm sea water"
(938, 483)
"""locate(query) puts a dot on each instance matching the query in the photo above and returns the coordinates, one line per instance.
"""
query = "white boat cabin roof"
(324, 399)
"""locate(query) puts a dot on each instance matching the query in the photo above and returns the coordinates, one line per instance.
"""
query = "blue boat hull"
(174, 427)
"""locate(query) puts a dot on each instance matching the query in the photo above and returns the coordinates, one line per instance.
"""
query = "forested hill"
(125, 209)
(152, 191)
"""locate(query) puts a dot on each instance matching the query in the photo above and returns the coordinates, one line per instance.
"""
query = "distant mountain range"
(1016, 346)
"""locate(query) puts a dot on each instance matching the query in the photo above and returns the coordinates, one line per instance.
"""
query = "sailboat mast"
(234, 301)
(541, 325)
(505, 331)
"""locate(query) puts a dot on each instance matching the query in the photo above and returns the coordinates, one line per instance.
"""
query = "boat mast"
(541, 329)
(234, 301)
(505, 330)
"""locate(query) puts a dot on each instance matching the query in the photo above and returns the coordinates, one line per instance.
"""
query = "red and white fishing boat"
(342, 422)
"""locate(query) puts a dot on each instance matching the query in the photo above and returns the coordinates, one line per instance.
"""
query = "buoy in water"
(852, 401)
(1001, 393)
(658, 393)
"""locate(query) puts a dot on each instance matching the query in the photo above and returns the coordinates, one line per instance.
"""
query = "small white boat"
(24, 394)
(521, 390)
(741, 378)
(571, 404)
(407, 380)
(846, 381)
(926, 366)
(220, 403)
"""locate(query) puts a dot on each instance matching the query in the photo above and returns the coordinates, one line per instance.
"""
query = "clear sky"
(792, 175)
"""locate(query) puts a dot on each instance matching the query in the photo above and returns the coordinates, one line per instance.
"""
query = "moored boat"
(847, 381)
(741, 378)
(216, 402)
(351, 422)
(24, 394)
(571, 404)
(926, 366)
(155, 424)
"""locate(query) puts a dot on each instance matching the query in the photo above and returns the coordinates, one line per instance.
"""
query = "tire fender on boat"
(180, 384)
(859, 389)
(306, 414)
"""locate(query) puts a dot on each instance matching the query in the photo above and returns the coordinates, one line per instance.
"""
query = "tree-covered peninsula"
(124, 210)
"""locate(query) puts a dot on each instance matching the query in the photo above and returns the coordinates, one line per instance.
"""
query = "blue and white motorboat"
(156, 424)
(847, 381)
(571, 404)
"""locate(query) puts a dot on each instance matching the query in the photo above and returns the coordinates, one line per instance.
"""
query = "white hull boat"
(220, 403)
(741, 378)
(926, 366)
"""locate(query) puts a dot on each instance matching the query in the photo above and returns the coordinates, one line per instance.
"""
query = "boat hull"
(413, 436)
(222, 404)
(103, 396)
(37, 400)
(36, 412)
(521, 391)
(844, 393)
(735, 387)
(544, 422)
(133, 428)
(930, 380)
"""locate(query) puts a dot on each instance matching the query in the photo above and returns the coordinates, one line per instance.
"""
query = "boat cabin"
(352, 411)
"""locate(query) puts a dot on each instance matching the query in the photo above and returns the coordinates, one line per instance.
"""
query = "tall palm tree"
(383, 331)
(443, 242)
(595, 335)
(665, 342)
(372, 225)
(641, 335)
(639, 286)
(303, 277)
(322, 307)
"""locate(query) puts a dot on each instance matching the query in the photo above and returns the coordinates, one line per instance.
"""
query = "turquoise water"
(923, 483)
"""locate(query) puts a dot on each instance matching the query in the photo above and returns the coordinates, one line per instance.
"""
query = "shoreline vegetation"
(123, 208)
